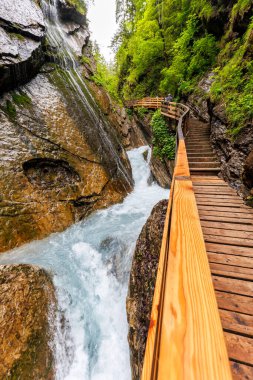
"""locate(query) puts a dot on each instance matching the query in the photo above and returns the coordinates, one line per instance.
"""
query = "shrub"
(164, 140)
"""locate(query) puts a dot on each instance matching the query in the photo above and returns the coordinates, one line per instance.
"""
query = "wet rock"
(69, 11)
(199, 102)
(26, 319)
(57, 165)
(248, 172)
(21, 37)
(129, 130)
(142, 284)
(232, 153)
(161, 171)
(114, 254)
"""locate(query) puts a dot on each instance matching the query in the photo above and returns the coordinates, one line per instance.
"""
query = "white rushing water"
(90, 264)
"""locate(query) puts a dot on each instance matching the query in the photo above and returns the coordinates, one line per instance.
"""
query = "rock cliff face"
(27, 303)
(142, 284)
(61, 159)
(234, 154)
(22, 32)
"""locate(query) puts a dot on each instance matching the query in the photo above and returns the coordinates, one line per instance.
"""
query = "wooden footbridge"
(201, 324)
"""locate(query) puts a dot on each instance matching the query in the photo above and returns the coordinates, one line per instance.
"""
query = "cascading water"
(63, 43)
(90, 264)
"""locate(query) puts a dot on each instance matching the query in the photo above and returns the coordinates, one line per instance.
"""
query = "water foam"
(90, 264)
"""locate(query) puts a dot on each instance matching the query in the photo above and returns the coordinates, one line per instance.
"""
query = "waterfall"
(90, 264)
(61, 42)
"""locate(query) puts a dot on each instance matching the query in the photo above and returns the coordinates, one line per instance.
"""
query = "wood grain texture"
(192, 343)
(234, 302)
(240, 347)
(151, 345)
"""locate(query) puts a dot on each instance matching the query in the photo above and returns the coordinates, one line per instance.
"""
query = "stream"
(90, 264)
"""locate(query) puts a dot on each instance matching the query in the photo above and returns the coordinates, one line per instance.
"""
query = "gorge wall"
(200, 52)
(60, 157)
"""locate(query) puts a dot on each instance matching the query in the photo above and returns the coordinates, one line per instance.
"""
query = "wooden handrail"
(185, 338)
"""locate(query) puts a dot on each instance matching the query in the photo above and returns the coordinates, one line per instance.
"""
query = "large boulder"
(57, 164)
(161, 171)
(142, 285)
(26, 320)
(21, 38)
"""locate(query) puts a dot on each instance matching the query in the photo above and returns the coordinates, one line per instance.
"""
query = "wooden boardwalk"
(205, 274)
(227, 225)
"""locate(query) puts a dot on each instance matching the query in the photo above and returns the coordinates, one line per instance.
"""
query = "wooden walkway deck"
(208, 238)
(227, 225)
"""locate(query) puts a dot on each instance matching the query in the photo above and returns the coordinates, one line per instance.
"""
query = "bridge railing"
(185, 337)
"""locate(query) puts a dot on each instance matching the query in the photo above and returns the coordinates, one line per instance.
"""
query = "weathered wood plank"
(208, 211)
(230, 249)
(241, 371)
(228, 240)
(237, 261)
(245, 235)
(220, 202)
(234, 302)
(192, 345)
(232, 285)
(224, 219)
(219, 196)
(247, 211)
(240, 348)
(228, 226)
(237, 322)
(231, 271)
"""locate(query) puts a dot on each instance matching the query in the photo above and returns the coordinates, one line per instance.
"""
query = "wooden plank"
(241, 371)
(234, 302)
(220, 202)
(231, 271)
(245, 235)
(231, 285)
(228, 240)
(237, 261)
(237, 322)
(192, 343)
(218, 196)
(224, 219)
(207, 211)
(230, 249)
(182, 167)
(213, 208)
(228, 226)
(240, 348)
(214, 189)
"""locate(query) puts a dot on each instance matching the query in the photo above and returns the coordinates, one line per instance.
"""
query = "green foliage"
(79, 5)
(164, 140)
(141, 112)
(18, 36)
(10, 109)
(21, 98)
(234, 82)
(165, 47)
(106, 75)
